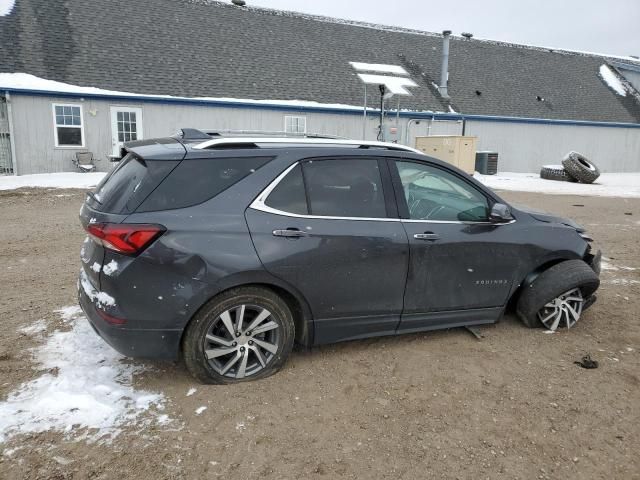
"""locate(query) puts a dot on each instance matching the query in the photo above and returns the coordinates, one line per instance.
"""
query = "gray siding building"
(85, 75)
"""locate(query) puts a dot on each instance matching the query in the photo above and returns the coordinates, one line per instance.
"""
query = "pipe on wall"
(12, 140)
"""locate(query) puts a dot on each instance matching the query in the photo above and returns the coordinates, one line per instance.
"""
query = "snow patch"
(36, 327)
(25, 81)
(622, 281)
(612, 80)
(110, 268)
(86, 391)
(6, 6)
(100, 298)
(199, 410)
(96, 267)
(69, 313)
(607, 185)
(191, 391)
(51, 180)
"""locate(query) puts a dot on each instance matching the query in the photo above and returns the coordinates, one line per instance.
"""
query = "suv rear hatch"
(114, 199)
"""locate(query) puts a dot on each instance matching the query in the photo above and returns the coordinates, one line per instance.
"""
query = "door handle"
(290, 233)
(428, 236)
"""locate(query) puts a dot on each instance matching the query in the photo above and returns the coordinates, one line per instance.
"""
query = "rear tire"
(552, 284)
(580, 168)
(241, 335)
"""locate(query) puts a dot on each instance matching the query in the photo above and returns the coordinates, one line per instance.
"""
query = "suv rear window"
(129, 184)
(198, 180)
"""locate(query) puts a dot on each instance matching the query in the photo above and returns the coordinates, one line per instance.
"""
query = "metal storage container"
(454, 149)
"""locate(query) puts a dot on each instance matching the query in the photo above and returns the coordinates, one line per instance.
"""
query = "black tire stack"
(575, 168)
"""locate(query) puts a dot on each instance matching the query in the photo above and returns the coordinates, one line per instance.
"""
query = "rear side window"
(289, 196)
(129, 184)
(344, 188)
(196, 181)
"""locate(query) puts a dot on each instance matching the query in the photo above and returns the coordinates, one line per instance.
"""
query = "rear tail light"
(125, 238)
(110, 319)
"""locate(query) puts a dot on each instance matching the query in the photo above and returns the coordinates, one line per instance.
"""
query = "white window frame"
(288, 118)
(55, 125)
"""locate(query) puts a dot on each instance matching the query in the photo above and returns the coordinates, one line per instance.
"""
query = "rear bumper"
(157, 344)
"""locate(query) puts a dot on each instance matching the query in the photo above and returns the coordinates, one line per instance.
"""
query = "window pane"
(119, 116)
(134, 136)
(67, 110)
(289, 195)
(132, 116)
(69, 136)
(345, 188)
(76, 120)
(120, 137)
(295, 124)
(59, 119)
(59, 110)
(435, 194)
(205, 178)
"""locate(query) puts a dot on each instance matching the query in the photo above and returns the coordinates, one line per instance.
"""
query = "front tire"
(243, 334)
(557, 296)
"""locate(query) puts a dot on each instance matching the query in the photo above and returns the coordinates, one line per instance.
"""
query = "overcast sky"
(601, 26)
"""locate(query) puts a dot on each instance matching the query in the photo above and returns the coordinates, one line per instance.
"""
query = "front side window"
(68, 126)
(294, 124)
(435, 194)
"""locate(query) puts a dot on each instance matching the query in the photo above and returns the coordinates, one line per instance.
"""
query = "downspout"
(364, 118)
(12, 141)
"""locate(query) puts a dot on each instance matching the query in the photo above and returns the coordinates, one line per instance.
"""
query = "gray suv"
(226, 250)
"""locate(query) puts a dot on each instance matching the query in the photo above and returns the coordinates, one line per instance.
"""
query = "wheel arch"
(300, 309)
(529, 278)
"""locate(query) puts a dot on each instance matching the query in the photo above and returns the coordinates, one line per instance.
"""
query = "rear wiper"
(93, 196)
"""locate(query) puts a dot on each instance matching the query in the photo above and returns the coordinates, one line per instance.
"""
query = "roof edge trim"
(353, 110)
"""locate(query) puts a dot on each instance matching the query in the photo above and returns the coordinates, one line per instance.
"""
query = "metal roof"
(199, 48)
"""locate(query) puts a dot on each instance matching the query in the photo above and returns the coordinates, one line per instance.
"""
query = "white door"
(126, 126)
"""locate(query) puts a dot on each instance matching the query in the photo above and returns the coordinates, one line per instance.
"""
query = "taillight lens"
(110, 319)
(125, 238)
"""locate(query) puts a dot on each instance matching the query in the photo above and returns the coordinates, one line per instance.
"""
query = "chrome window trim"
(260, 204)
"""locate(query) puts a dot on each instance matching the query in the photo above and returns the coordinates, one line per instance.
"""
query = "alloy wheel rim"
(562, 311)
(242, 341)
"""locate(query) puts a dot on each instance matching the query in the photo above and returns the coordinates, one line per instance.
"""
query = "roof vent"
(239, 3)
(444, 70)
(467, 35)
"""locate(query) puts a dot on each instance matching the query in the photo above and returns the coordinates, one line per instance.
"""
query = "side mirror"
(500, 213)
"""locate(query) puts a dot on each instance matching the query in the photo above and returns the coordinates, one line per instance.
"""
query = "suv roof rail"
(203, 134)
(253, 142)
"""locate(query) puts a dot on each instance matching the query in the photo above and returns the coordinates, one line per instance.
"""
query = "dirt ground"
(435, 405)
